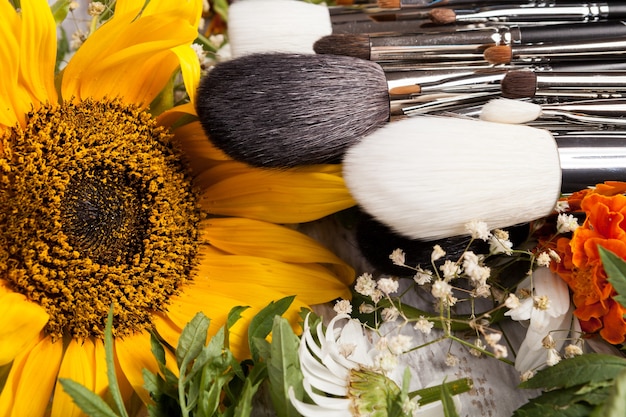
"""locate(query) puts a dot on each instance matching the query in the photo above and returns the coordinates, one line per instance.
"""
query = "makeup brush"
(588, 12)
(505, 110)
(291, 26)
(424, 4)
(427, 177)
(282, 110)
(383, 47)
(526, 84)
(610, 48)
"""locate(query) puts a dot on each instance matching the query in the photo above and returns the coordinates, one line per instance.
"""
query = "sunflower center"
(96, 208)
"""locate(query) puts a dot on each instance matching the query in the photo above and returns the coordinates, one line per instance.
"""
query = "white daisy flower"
(346, 382)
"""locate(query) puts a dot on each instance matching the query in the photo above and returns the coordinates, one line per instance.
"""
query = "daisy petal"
(35, 367)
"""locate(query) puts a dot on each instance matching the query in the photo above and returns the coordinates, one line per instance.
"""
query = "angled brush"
(427, 177)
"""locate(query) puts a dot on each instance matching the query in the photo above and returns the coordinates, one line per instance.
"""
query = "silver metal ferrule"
(574, 13)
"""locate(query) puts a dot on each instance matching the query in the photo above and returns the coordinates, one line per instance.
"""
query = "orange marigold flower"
(582, 269)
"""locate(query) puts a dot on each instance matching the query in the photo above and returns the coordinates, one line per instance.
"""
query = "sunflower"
(102, 203)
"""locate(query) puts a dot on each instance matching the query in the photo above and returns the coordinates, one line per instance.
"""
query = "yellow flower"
(101, 203)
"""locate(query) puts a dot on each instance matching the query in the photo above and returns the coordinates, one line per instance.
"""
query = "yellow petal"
(126, 58)
(134, 355)
(22, 321)
(240, 236)
(312, 283)
(293, 195)
(38, 50)
(81, 365)
(216, 299)
(31, 380)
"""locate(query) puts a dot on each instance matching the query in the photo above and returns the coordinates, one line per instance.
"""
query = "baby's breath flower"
(500, 351)
(512, 302)
(441, 289)
(365, 285)
(561, 206)
(541, 302)
(376, 296)
(398, 257)
(343, 307)
(527, 375)
(553, 357)
(482, 291)
(566, 223)
(423, 276)
(365, 308)
(399, 344)
(493, 338)
(390, 314)
(478, 230)
(388, 285)
(452, 360)
(386, 361)
(450, 270)
(78, 38)
(543, 259)
(554, 255)
(437, 253)
(424, 325)
(74, 5)
(548, 342)
(95, 8)
(572, 350)
(499, 242)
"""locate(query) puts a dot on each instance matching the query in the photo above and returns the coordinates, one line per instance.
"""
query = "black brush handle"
(570, 32)
(617, 9)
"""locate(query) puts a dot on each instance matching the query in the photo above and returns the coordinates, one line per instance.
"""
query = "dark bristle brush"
(283, 110)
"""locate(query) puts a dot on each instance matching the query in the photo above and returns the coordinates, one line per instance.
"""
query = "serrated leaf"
(261, 324)
(244, 405)
(191, 341)
(157, 349)
(615, 268)
(283, 368)
(579, 370)
(234, 315)
(89, 402)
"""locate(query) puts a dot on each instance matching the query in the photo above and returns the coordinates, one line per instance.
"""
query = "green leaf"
(114, 387)
(449, 409)
(261, 324)
(244, 405)
(431, 394)
(283, 367)
(60, 9)
(191, 341)
(234, 315)
(579, 370)
(615, 405)
(89, 402)
(550, 410)
(615, 268)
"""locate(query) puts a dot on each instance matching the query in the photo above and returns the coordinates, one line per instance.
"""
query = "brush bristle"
(504, 110)
(519, 84)
(290, 26)
(282, 110)
(442, 16)
(389, 4)
(346, 44)
(500, 54)
(427, 177)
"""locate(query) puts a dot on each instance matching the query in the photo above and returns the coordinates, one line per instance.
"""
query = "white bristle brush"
(426, 177)
(256, 26)
(505, 110)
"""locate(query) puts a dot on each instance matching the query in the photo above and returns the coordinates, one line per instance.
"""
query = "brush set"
(441, 111)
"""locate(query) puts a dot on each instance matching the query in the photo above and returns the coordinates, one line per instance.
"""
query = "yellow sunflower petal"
(21, 323)
(27, 59)
(294, 195)
(240, 236)
(38, 51)
(134, 355)
(80, 364)
(126, 58)
(312, 283)
(215, 300)
(31, 380)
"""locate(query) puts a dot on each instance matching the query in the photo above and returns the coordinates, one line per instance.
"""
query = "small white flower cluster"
(367, 286)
